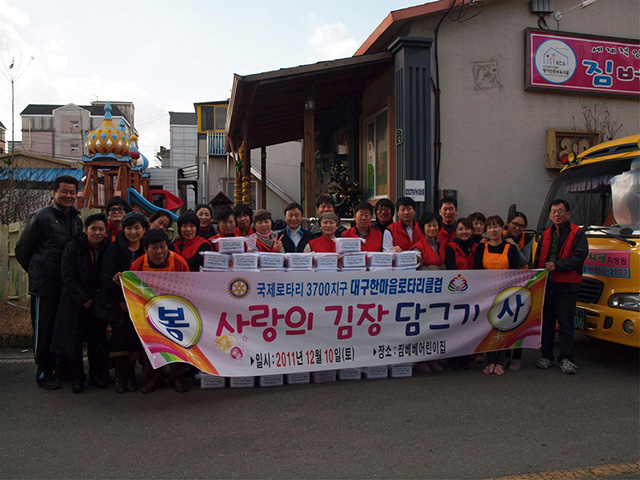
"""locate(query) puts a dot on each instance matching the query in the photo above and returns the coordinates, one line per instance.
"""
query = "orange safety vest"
(495, 261)
(175, 263)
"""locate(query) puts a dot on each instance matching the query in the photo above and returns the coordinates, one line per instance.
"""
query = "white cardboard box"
(271, 260)
(407, 260)
(245, 261)
(349, 244)
(229, 245)
(380, 259)
(353, 260)
(324, 376)
(302, 261)
(326, 261)
(402, 370)
(211, 381)
(298, 378)
(271, 380)
(373, 373)
(242, 382)
(219, 262)
(350, 374)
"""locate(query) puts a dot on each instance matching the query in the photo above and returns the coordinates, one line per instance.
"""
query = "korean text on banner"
(241, 324)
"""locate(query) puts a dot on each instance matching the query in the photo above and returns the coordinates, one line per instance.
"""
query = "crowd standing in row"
(74, 277)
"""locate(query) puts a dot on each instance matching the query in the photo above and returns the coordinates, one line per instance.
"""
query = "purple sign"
(585, 63)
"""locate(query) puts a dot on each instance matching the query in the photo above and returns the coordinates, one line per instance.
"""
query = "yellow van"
(602, 185)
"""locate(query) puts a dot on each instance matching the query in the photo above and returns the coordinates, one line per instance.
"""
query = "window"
(376, 153)
(75, 147)
(213, 117)
(74, 124)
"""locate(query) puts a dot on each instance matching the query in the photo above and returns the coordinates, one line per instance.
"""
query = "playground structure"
(115, 167)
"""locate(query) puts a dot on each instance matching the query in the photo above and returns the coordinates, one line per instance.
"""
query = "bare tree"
(597, 117)
(20, 192)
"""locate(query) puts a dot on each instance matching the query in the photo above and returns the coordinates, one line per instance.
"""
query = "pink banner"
(583, 63)
(246, 323)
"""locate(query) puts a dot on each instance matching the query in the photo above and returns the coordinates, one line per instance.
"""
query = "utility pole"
(12, 73)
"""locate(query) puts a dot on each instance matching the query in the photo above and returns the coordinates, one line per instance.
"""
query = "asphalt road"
(442, 425)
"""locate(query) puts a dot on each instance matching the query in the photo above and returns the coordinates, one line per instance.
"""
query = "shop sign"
(582, 63)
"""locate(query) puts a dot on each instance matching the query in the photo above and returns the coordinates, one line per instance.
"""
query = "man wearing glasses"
(116, 208)
(562, 251)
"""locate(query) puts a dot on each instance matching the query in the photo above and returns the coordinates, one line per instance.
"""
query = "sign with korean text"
(262, 323)
(415, 189)
(585, 63)
(607, 263)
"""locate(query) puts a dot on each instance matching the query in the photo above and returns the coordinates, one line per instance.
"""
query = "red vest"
(238, 233)
(463, 262)
(445, 238)
(572, 276)
(373, 239)
(175, 263)
(401, 238)
(321, 244)
(429, 255)
(189, 249)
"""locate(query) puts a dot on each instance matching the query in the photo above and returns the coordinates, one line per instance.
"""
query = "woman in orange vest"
(515, 235)
(496, 254)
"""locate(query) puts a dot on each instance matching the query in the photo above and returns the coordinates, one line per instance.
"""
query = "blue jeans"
(558, 306)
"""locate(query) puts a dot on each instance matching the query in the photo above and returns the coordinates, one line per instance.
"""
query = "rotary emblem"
(239, 288)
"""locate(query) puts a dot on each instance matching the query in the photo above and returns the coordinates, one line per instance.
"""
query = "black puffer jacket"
(117, 258)
(80, 266)
(39, 249)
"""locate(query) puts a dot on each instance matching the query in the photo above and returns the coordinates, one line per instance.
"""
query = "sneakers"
(544, 363)
(568, 367)
(47, 381)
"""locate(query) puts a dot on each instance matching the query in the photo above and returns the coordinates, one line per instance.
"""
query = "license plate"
(579, 319)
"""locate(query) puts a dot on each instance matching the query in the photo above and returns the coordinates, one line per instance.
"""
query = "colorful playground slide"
(135, 198)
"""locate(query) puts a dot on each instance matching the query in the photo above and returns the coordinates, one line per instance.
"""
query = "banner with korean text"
(263, 323)
(583, 63)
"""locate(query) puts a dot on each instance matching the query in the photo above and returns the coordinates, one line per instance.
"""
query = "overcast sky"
(165, 55)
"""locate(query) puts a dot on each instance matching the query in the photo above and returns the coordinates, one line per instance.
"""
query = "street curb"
(16, 341)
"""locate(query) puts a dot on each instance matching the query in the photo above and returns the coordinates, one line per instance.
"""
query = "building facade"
(436, 102)
(60, 130)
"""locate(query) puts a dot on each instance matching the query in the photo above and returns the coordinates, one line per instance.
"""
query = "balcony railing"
(215, 143)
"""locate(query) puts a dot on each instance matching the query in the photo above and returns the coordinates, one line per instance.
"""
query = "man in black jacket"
(39, 250)
(294, 237)
(562, 252)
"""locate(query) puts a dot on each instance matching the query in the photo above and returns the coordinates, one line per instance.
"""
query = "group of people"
(74, 271)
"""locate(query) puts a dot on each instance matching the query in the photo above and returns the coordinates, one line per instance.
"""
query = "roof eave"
(400, 17)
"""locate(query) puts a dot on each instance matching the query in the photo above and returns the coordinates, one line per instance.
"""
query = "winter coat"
(80, 266)
(117, 258)
(39, 249)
